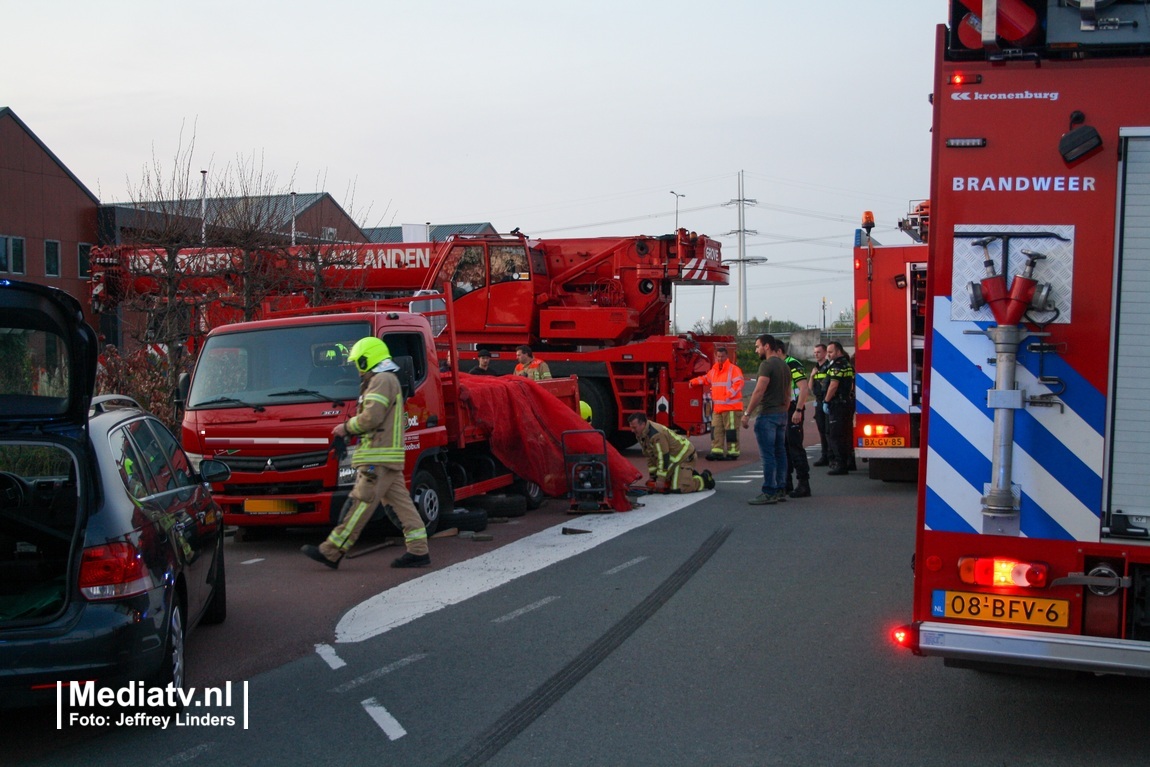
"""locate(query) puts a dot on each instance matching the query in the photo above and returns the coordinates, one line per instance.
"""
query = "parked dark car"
(111, 547)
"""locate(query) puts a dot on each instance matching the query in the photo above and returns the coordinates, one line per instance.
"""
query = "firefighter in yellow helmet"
(379, 423)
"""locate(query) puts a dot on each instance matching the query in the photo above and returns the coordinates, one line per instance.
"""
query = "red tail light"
(993, 571)
(905, 637)
(877, 430)
(113, 570)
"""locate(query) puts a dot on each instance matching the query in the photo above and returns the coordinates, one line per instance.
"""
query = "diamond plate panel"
(1057, 269)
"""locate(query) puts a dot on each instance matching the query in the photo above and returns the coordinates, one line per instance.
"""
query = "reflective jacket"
(379, 422)
(726, 382)
(663, 448)
(536, 370)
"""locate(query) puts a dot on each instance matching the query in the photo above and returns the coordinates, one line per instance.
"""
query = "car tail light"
(998, 571)
(112, 571)
(877, 430)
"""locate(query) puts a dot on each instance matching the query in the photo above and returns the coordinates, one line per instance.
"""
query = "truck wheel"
(500, 504)
(474, 520)
(531, 491)
(597, 394)
(430, 498)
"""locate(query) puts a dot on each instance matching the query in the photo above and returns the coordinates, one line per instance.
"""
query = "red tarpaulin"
(526, 422)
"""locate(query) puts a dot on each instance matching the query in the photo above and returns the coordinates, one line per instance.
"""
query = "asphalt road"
(717, 633)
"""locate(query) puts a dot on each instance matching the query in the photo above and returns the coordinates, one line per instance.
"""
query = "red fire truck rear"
(890, 327)
(1033, 541)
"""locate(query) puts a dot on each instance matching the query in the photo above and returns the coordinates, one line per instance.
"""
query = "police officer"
(670, 458)
(379, 423)
(797, 464)
(818, 386)
(839, 407)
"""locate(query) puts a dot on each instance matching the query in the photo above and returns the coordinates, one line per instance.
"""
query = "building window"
(83, 259)
(16, 262)
(12, 254)
(51, 258)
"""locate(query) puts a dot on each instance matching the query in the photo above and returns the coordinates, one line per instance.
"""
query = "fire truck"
(1033, 532)
(596, 308)
(265, 395)
(890, 328)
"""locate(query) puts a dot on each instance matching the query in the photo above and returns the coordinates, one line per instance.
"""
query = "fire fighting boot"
(708, 480)
(313, 552)
(412, 560)
(802, 491)
(714, 456)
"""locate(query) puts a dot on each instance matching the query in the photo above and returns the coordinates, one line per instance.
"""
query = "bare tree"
(165, 223)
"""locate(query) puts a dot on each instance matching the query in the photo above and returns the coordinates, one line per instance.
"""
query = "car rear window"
(33, 372)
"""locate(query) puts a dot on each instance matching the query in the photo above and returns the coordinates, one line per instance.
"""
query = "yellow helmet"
(585, 411)
(368, 352)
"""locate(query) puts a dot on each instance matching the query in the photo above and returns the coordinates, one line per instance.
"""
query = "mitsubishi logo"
(270, 466)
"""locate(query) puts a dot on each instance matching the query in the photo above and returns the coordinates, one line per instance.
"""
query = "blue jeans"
(771, 434)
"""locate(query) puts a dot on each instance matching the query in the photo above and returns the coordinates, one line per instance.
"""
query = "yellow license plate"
(884, 442)
(1001, 608)
(269, 506)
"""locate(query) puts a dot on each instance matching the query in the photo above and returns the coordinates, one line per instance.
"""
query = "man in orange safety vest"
(726, 382)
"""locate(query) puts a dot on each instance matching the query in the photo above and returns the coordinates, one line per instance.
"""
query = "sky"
(563, 119)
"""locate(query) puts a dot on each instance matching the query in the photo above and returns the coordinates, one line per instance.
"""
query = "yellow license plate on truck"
(269, 506)
(883, 442)
(1001, 608)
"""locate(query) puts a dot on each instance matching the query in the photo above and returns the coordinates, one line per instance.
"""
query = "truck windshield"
(277, 366)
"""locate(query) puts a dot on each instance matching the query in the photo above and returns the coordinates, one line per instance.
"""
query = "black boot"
(822, 462)
(802, 491)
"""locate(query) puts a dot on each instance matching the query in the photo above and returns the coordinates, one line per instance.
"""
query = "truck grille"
(276, 488)
(258, 464)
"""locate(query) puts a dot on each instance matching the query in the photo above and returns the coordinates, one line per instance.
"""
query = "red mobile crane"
(597, 308)
(1033, 529)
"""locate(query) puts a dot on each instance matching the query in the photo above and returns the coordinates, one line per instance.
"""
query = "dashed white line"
(625, 565)
(186, 756)
(524, 610)
(379, 672)
(391, 728)
(252, 561)
(329, 655)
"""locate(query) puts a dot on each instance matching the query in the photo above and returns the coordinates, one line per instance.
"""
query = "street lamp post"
(677, 196)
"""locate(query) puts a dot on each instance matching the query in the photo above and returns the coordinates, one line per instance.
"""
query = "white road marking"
(252, 561)
(327, 652)
(451, 585)
(391, 728)
(186, 756)
(625, 565)
(735, 481)
(377, 673)
(524, 610)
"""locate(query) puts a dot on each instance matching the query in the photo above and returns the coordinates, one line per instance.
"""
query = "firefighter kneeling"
(670, 458)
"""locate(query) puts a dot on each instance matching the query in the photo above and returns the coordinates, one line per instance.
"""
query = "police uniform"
(797, 463)
(840, 414)
(818, 385)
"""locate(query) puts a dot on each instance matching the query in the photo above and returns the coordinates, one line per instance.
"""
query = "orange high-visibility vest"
(726, 383)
